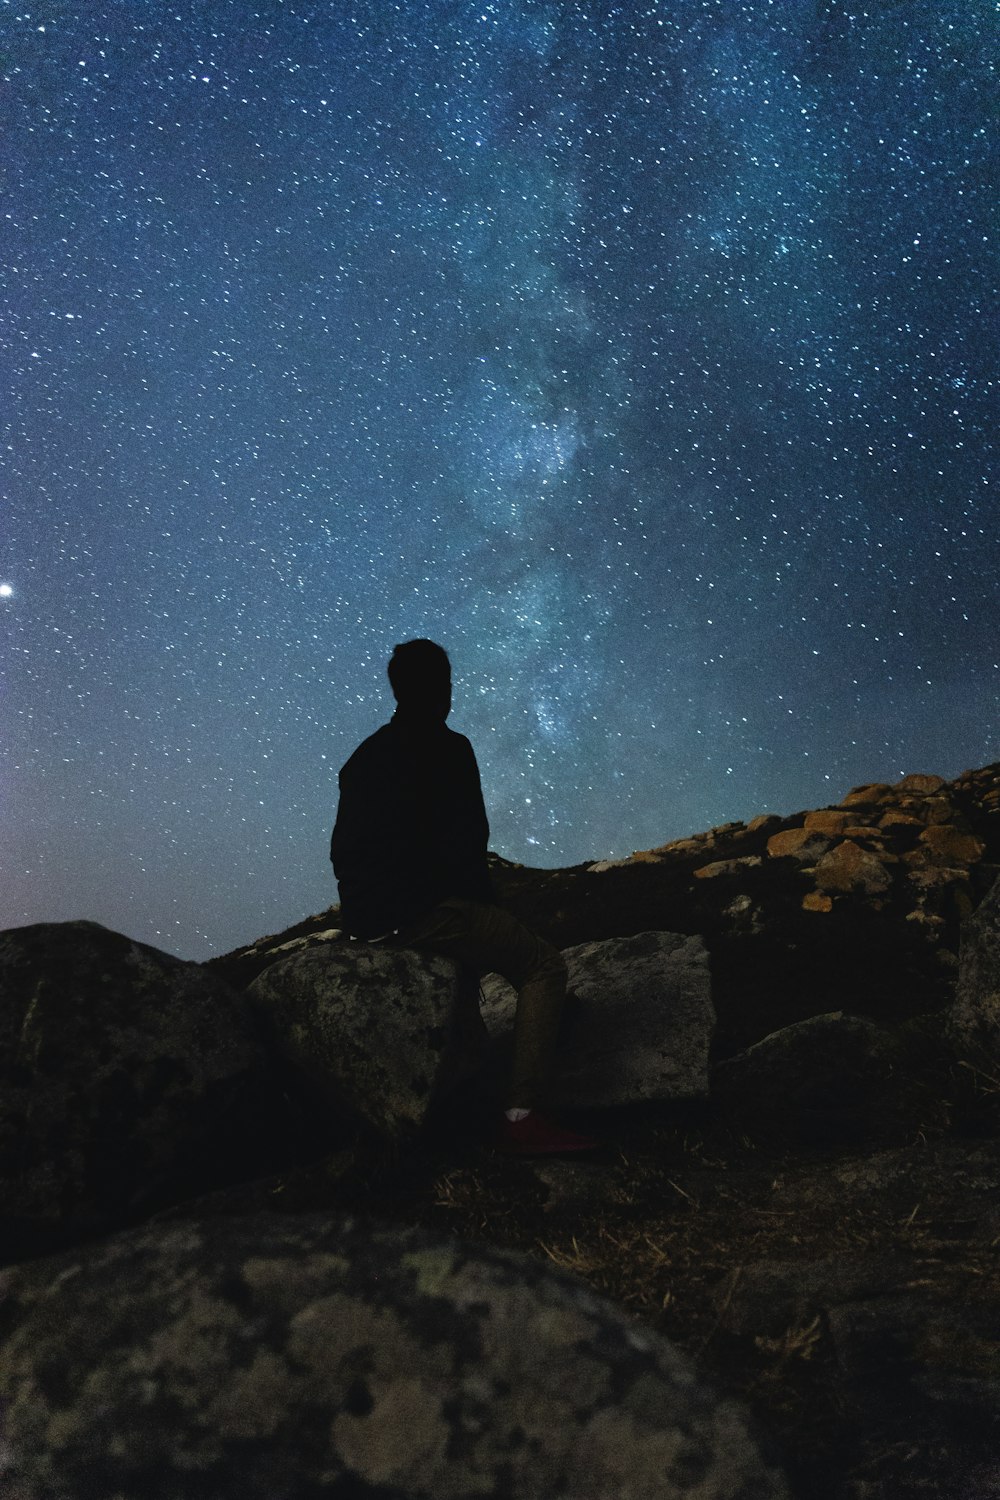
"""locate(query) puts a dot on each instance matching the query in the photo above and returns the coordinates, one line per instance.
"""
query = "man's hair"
(418, 670)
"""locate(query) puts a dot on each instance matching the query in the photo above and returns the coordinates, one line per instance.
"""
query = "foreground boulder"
(127, 1079)
(383, 1031)
(274, 1357)
(641, 1026)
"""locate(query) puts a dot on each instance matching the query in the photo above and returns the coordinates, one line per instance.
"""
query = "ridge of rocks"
(855, 906)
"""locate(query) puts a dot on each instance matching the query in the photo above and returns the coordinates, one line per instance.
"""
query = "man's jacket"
(411, 826)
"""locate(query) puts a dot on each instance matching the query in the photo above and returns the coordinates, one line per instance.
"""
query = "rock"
(644, 1024)
(827, 820)
(127, 1079)
(949, 846)
(762, 822)
(848, 867)
(935, 810)
(975, 1015)
(802, 844)
(829, 1078)
(274, 1358)
(915, 782)
(383, 1031)
(864, 796)
(894, 821)
(726, 867)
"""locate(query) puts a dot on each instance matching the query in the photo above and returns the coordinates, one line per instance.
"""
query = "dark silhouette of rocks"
(799, 1185)
(127, 1079)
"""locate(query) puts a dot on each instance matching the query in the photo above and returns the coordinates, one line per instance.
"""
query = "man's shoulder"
(457, 739)
(376, 747)
(383, 748)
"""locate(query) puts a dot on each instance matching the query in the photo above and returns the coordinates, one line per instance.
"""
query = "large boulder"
(975, 1014)
(274, 1358)
(640, 1027)
(384, 1031)
(127, 1078)
(835, 1078)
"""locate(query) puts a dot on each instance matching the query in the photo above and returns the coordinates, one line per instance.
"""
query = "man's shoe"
(534, 1135)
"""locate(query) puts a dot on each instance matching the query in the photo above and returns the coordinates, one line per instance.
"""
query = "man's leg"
(490, 940)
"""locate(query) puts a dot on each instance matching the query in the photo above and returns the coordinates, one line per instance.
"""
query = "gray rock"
(127, 1078)
(975, 1014)
(277, 1359)
(832, 1077)
(384, 1030)
(643, 1025)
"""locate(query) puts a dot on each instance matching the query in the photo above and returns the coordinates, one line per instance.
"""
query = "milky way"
(642, 354)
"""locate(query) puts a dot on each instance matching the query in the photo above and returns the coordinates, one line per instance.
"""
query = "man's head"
(420, 677)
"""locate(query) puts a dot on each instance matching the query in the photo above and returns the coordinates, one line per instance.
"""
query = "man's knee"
(551, 964)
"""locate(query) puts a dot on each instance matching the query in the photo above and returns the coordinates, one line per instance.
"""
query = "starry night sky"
(643, 354)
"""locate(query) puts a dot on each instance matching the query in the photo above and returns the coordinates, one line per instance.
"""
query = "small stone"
(827, 820)
(739, 906)
(930, 877)
(679, 846)
(798, 843)
(726, 867)
(817, 901)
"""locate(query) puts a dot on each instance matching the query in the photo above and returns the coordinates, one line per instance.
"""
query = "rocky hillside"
(857, 906)
(253, 1239)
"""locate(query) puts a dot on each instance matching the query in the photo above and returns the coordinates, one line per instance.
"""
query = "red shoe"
(534, 1135)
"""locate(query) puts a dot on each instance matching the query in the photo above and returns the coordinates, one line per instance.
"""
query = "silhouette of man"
(409, 853)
